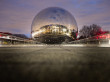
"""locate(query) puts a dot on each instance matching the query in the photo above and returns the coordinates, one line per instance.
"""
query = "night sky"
(16, 15)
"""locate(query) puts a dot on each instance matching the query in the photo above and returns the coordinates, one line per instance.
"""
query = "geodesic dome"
(54, 15)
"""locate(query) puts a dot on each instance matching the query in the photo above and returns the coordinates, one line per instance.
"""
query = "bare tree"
(89, 31)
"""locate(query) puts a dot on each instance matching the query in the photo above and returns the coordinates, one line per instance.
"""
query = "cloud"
(17, 15)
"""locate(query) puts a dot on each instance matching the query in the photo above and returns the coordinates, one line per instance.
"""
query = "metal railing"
(99, 39)
(9, 39)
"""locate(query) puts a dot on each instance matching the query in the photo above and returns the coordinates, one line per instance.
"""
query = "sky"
(16, 15)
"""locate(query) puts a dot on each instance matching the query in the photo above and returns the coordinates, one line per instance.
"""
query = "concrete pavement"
(54, 63)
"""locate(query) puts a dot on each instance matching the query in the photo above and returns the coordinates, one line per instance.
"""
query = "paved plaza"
(54, 63)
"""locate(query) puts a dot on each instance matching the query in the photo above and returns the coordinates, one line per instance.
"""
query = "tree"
(89, 31)
(84, 32)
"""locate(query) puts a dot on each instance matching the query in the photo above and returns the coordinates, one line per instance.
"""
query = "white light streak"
(36, 33)
(64, 30)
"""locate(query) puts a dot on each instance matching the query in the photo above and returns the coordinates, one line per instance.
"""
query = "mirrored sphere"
(54, 22)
